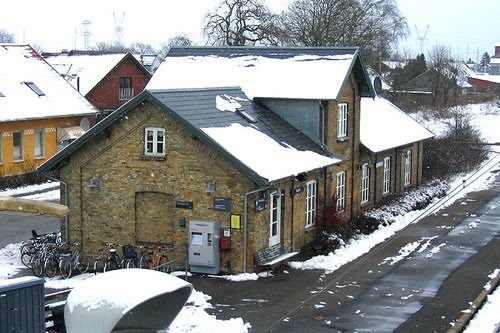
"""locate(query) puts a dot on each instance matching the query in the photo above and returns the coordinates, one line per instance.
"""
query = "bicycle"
(51, 263)
(129, 257)
(70, 261)
(113, 261)
(156, 258)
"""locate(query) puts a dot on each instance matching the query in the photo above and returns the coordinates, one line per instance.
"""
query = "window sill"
(39, 157)
(343, 139)
(365, 204)
(18, 161)
(311, 228)
(153, 158)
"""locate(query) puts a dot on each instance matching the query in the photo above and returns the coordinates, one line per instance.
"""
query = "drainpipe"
(66, 230)
(375, 182)
(245, 224)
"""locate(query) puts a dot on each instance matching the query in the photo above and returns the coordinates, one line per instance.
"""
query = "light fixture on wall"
(94, 182)
(210, 187)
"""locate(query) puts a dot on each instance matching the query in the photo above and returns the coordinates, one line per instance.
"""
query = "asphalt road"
(455, 251)
(15, 228)
(424, 292)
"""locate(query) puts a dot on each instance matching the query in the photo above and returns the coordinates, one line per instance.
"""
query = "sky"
(468, 28)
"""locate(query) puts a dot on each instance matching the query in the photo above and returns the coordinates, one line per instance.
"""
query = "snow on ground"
(194, 318)
(487, 318)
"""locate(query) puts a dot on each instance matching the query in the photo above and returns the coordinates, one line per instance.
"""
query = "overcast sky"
(468, 28)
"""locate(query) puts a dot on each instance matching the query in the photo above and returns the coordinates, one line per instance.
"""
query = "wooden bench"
(271, 257)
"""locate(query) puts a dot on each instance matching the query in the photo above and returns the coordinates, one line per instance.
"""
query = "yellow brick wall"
(10, 167)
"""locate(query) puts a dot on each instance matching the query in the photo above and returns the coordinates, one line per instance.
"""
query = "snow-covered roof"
(487, 77)
(84, 70)
(31, 89)
(270, 159)
(272, 73)
(258, 139)
(384, 126)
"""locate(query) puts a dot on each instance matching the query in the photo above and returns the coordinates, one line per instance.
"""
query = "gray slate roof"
(195, 109)
(197, 106)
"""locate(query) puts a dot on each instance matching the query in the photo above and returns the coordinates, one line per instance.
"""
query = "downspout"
(66, 224)
(375, 181)
(245, 224)
(353, 164)
(291, 215)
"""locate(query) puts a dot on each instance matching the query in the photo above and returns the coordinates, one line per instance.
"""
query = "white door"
(275, 219)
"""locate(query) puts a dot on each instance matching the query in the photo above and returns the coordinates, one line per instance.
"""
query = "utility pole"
(86, 34)
(421, 38)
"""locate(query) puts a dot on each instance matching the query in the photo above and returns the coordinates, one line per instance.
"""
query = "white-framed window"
(275, 218)
(342, 121)
(408, 168)
(311, 194)
(17, 148)
(154, 141)
(386, 184)
(39, 142)
(365, 184)
(341, 190)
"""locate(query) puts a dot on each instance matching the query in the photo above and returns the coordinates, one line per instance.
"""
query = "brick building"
(261, 140)
(107, 80)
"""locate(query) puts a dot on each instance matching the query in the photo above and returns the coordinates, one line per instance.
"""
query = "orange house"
(39, 111)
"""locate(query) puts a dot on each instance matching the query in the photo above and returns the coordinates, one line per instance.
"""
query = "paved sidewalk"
(310, 301)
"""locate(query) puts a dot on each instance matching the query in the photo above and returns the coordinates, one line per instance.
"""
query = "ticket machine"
(204, 252)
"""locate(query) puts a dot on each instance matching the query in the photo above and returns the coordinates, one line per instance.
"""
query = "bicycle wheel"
(164, 264)
(110, 265)
(65, 267)
(82, 264)
(37, 265)
(50, 266)
(143, 262)
(98, 266)
(130, 263)
(26, 258)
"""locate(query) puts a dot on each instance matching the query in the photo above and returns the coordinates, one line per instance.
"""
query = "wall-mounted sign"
(379, 164)
(297, 190)
(184, 204)
(260, 205)
(222, 204)
(235, 221)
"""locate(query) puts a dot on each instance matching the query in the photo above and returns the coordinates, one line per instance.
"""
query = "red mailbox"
(225, 243)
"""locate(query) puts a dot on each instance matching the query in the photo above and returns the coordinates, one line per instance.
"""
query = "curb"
(464, 320)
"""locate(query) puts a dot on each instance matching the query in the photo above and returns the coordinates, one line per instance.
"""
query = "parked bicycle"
(69, 261)
(129, 257)
(107, 261)
(156, 258)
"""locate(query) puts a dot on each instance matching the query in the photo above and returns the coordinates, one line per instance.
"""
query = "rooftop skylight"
(35, 88)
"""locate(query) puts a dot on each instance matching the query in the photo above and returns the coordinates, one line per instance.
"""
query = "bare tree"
(142, 48)
(443, 75)
(176, 41)
(6, 37)
(373, 25)
(240, 22)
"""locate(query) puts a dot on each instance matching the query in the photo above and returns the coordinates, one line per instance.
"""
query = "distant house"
(495, 61)
(39, 111)
(107, 80)
(259, 140)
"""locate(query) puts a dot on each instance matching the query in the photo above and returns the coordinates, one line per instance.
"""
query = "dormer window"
(35, 88)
